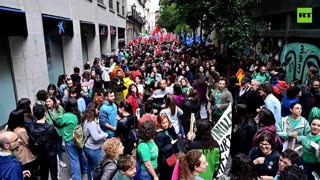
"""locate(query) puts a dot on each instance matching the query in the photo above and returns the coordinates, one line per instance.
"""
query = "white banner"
(221, 132)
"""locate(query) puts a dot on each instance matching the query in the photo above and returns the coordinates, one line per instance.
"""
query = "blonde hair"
(111, 147)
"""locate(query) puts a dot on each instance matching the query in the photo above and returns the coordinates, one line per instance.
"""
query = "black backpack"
(37, 137)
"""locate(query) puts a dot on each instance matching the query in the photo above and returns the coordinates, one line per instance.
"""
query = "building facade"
(293, 42)
(136, 18)
(44, 39)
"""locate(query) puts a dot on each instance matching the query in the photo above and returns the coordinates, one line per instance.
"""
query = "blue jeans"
(145, 175)
(77, 160)
(93, 157)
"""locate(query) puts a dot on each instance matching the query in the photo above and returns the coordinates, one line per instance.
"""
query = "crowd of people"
(148, 115)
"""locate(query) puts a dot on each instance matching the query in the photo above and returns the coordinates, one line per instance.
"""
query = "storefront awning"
(87, 28)
(13, 22)
(103, 30)
(56, 25)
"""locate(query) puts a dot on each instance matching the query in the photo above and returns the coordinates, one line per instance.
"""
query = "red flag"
(156, 30)
(161, 38)
(158, 50)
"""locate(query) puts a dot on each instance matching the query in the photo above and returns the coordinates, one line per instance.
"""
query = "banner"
(221, 132)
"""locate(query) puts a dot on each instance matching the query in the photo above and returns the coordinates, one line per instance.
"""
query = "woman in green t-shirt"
(293, 127)
(148, 151)
(311, 151)
(54, 111)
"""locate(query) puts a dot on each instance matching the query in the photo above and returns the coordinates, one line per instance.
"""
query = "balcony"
(134, 16)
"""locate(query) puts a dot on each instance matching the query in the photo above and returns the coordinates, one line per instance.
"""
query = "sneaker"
(62, 164)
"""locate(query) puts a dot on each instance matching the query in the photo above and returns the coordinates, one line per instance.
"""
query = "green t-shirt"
(213, 160)
(67, 122)
(148, 151)
(308, 152)
(53, 115)
(120, 176)
(217, 100)
(262, 77)
(293, 122)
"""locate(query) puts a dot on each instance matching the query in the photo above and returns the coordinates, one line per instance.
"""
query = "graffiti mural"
(296, 58)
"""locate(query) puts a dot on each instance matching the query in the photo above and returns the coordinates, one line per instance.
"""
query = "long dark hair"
(169, 102)
(90, 112)
(177, 89)
(16, 119)
(242, 168)
(24, 104)
(130, 92)
(55, 103)
(97, 87)
(61, 79)
(72, 107)
(266, 118)
(203, 134)
(52, 86)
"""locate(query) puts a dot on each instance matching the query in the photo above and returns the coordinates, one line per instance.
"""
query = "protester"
(310, 150)
(25, 105)
(292, 96)
(112, 148)
(148, 114)
(165, 140)
(242, 168)
(16, 124)
(126, 122)
(76, 78)
(134, 98)
(94, 137)
(173, 112)
(191, 165)
(191, 105)
(265, 156)
(67, 123)
(244, 130)
(75, 93)
(148, 151)
(10, 167)
(126, 168)
(219, 100)
(292, 173)
(54, 111)
(287, 158)
(108, 113)
(47, 157)
(310, 97)
(293, 128)
(201, 86)
(262, 75)
(270, 101)
(205, 143)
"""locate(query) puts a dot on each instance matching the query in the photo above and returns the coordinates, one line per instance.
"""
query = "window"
(110, 4)
(7, 87)
(118, 7)
(101, 1)
(123, 7)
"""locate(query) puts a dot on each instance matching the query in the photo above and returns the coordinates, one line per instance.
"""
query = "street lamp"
(134, 10)
(134, 16)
